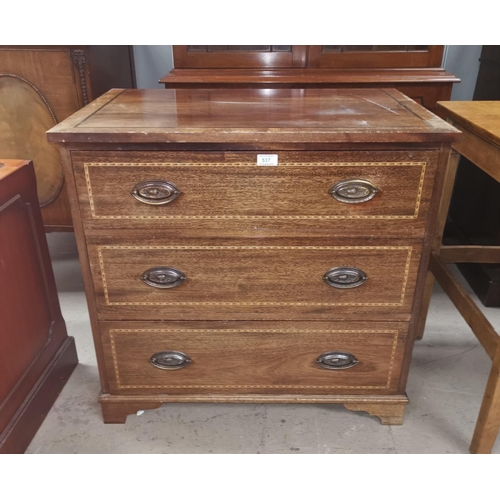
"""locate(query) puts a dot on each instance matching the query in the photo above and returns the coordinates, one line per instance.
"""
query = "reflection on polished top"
(253, 115)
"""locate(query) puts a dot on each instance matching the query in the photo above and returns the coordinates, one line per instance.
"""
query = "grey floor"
(445, 388)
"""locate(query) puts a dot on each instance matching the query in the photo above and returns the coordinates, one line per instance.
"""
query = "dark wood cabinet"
(375, 56)
(41, 86)
(412, 69)
(36, 355)
(240, 56)
(307, 56)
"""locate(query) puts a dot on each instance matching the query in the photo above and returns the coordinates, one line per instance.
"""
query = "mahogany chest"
(254, 245)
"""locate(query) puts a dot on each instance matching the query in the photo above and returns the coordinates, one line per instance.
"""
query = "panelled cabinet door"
(374, 56)
(307, 56)
(240, 56)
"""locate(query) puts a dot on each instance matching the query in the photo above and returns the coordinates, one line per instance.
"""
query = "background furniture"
(42, 85)
(473, 219)
(254, 245)
(479, 122)
(413, 69)
(36, 355)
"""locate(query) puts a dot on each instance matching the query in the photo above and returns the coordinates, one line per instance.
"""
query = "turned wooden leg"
(488, 422)
(116, 412)
(388, 413)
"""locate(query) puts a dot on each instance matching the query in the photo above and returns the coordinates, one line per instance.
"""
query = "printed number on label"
(267, 160)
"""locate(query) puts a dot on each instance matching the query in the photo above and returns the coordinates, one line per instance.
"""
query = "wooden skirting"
(25, 423)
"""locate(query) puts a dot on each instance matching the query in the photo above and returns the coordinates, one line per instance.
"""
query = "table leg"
(488, 422)
(422, 319)
(449, 181)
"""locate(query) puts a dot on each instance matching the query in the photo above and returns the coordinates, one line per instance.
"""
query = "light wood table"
(479, 122)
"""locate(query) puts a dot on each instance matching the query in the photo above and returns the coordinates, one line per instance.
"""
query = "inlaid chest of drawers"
(254, 245)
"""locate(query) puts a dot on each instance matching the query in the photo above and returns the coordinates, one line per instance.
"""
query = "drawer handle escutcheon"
(345, 277)
(170, 360)
(155, 192)
(163, 277)
(337, 360)
(353, 191)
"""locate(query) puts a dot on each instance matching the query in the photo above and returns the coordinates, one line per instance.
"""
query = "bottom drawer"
(253, 357)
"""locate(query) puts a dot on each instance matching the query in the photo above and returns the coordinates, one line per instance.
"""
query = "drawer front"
(241, 281)
(358, 191)
(253, 357)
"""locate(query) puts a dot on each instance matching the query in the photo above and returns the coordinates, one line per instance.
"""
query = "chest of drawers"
(254, 245)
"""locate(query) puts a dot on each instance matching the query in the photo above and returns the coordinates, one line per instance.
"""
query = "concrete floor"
(445, 387)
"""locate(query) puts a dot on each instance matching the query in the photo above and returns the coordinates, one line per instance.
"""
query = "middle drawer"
(221, 280)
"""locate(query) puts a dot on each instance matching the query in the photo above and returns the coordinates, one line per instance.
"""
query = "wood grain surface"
(253, 116)
(241, 281)
(230, 186)
(253, 357)
(306, 57)
(303, 78)
(480, 117)
(390, 408)
(254, 242)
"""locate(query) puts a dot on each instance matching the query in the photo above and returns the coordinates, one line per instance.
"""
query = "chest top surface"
(249, 116)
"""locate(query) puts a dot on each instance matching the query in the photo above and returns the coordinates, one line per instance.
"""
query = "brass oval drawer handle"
(170, 360)
(163, 277)
(336, 360)
(155, 192)
(345, 277)
(353, 191)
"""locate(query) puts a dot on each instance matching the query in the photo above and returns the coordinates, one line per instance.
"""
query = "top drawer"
(369, 192)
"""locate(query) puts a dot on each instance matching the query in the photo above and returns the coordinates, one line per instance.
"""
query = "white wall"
(151, 63)
(154, 61)
(463, 61)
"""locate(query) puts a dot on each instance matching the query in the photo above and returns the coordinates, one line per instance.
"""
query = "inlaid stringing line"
(211, 304)
(103, 275)
(420, 189)
(406, 275)
(115, 359)
(253, 217)
(139, 330)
